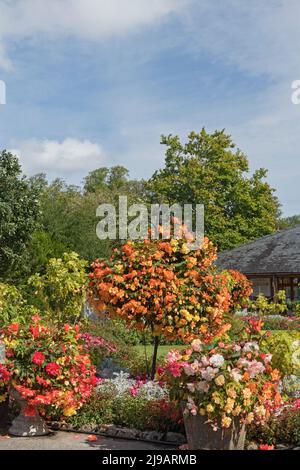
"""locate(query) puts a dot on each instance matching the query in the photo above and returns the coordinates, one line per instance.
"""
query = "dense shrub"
(129, 411)
(97, 411)
(285, 349)
(61, 290)
(13, 306)
(277, 322)
(284, 428)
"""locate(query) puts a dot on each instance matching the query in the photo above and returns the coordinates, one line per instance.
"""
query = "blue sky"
(96, 82)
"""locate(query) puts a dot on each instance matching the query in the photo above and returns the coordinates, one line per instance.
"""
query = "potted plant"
(222, 388)
(4, 379)
(50, 374)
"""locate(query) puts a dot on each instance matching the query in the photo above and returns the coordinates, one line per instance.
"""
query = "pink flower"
(173, 356)
(134, 391)
(175, 369)
(209, 373)
(255, 368)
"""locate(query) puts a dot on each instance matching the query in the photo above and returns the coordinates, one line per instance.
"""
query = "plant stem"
(154, 357)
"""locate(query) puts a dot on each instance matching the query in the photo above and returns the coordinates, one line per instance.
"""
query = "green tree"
(209, 170)
(19, 211)
(288, 222)
(61, 291)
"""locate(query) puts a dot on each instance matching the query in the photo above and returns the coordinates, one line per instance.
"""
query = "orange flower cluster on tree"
(163, 285)
(240, 288)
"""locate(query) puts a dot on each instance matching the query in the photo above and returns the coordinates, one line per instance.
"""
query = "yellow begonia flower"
(3, 397)
(70, 411)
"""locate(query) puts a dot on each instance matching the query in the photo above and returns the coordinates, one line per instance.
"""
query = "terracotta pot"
(23, 425)
(200, 435)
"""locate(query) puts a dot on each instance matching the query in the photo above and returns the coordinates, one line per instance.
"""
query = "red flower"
(14, 327)
(53, 369)
(29, 411)
(67, 327)
(38, 358)
(35, 330)
(266, 447)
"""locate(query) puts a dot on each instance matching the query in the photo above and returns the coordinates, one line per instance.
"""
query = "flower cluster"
(93, 342)
(122, 384)
(164, 285)
(224, 381)
(240, 288)
(48, 366)
(4, 380)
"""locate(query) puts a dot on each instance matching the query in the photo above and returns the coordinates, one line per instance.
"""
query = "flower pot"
(200, 434)
(3, 412)
(24, 425)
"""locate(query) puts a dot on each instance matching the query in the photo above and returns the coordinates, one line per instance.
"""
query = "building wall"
(269, 285)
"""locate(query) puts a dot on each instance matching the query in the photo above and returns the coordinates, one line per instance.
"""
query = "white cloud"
(257, 37)
(67, 158)
(87, 19)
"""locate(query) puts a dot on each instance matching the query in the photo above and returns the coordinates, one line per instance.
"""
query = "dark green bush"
(97, 410)
(284, 428)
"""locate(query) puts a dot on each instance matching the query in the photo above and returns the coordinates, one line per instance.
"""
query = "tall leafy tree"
(19, 211)
(289, 222)
(208, 169)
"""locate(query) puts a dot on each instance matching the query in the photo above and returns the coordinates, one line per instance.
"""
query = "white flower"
(196, 345)
(216, 360)
(243, 362)
(202, 386)
(209, 373)
(236, 375)
(191, 387)
(250, 346)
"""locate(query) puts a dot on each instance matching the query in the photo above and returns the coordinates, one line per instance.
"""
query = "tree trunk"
(154, 358)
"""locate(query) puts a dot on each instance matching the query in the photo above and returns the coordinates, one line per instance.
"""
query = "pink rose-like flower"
(209, 373)
(255, 368)
(205, 361)
(196, 345)
(236, 375)
(173, 356)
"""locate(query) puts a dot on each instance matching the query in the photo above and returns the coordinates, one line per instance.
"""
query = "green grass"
(162, 350)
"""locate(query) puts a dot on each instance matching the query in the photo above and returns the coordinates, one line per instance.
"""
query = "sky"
(93, 83)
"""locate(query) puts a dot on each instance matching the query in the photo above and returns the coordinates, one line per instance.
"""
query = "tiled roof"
(275, 253)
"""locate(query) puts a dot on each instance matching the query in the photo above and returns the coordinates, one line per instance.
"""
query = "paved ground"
(73, 441)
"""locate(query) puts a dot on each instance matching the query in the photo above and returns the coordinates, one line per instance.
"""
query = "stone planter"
(200, 435)
(25, 426)
(3, 412)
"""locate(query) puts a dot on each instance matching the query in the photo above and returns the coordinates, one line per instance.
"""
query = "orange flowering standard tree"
(164, 286)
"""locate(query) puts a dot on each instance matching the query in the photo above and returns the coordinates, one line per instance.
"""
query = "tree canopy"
(19, 211)
(208, 169)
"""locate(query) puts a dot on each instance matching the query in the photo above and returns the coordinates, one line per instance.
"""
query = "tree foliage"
(209, 170)
(19, 211)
